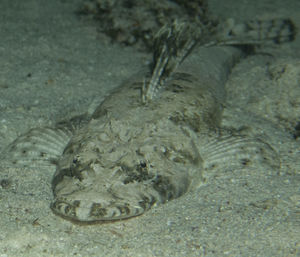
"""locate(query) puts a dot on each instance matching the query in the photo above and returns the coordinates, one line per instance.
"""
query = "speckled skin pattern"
(130, 155)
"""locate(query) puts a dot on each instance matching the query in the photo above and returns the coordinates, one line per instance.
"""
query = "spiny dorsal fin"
(172, 44)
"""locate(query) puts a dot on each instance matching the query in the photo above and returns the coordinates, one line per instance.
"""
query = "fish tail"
(254, 32)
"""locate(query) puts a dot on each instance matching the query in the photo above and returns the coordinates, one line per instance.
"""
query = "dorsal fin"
(171, 45)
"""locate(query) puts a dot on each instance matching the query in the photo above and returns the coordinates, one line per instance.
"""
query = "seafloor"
(54, 65)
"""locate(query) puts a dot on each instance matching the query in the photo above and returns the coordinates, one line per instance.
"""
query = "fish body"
(131, 156)
(146, 145)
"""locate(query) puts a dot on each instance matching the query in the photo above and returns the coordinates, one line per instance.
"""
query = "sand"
(54, 65)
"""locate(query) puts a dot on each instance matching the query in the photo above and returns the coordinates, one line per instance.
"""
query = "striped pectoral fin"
(237, 152)
(37, 147)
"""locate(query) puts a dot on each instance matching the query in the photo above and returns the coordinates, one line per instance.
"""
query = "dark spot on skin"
(245, 161)
(296, 133)
(67, 209)
(43, 154)
(164, 187)
(183, 77)
(128, 4)
(76, 203)
(123, 209)
(175, 88)
(147, 202)
(143, 165)
(5, 183)
(97, 210)
(137, 174)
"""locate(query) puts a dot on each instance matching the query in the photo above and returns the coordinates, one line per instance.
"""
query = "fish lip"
(77, 221)
(93, 214)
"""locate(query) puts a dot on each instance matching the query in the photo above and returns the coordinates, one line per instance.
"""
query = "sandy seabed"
(54, 65)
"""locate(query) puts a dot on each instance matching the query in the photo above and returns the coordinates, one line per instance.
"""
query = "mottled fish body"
(146, 145)
(131, 156)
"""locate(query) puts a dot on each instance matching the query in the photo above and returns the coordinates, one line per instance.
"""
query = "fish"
(158, 135)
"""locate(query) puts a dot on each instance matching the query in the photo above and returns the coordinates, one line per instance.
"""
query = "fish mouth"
(123, 182)
(77, 211)
(98, 194)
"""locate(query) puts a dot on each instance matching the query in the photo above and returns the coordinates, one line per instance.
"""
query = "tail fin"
(254, 32)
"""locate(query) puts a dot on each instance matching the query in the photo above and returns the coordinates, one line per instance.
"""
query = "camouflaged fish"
(156, 137)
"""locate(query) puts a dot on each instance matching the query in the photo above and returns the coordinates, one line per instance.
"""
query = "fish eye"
(143, 164)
